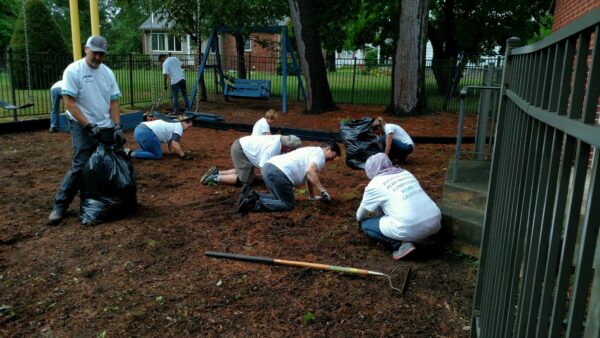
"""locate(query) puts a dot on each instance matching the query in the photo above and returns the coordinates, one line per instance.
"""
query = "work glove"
(325, 196)
(118, 135)
(93, 130)
(186, 157)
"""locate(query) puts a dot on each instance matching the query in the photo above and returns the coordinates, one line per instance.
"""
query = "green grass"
(145, 85)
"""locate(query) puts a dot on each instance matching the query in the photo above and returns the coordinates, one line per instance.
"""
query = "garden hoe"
(275, 261)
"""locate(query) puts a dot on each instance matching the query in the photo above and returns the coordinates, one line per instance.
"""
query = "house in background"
(158, 38)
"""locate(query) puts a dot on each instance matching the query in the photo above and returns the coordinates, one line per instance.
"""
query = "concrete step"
(472, 172)
(466, 195)
(464, 225)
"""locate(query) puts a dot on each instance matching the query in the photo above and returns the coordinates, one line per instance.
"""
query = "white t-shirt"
(409, 214)
(57, 84)
(295, 163)
(93, 90)
(259, 149)
(164, 130)
(260, 127)
(172, 67)
(399, 133)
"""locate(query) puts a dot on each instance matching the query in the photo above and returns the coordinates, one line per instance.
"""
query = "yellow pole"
(75, 36)
(94, 17)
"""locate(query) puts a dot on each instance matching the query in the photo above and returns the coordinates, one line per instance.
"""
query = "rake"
(275, 261)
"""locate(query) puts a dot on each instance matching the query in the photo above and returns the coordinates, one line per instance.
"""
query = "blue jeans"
(83, 147)
(370, 227)
(281, 197)
(149, 143)
(175, 88)
(398, 150)
(55, 97)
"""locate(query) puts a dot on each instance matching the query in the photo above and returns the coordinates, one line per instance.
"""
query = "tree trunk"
(445, 51)
(330, 60)
(240, 59)
(319, 98)
(408, 76)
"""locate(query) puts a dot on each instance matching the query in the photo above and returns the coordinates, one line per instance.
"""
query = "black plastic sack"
(108, 189)
(360, 141)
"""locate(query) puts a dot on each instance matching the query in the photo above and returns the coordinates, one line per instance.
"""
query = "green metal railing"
(354, 81)
(540, 262)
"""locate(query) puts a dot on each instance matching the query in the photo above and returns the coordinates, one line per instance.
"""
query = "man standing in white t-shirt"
(395, 210)
(90, 94)
(282, 173)
(173, 68)
(250, 152)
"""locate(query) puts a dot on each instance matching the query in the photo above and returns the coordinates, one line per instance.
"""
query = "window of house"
(248, 45)
(162, 42)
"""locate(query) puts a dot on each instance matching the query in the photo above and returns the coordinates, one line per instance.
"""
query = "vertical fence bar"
(353, 79)
(131, 84)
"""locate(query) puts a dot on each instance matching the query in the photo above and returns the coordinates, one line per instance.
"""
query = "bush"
(289, 70)
(44, 41)
(370, 60)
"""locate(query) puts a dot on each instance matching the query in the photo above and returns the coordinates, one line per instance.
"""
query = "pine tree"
(48, 52)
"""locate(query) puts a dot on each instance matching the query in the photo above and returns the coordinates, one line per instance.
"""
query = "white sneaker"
(404, 249)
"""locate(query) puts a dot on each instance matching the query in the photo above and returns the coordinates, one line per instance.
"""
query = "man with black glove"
(90, 94)
(282, 173)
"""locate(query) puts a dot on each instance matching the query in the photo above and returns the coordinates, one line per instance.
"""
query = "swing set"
(15, 107)
(249, 88)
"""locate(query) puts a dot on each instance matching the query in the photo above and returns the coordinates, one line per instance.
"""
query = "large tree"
(37, 41)
(319, 98)
(241, 15)
(8, 16)
(408, 74)
(122, 32)
(465, 29)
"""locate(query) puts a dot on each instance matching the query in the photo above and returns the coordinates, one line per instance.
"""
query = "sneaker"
(210, 172)
(212, 180)
(53, 130)
(404, 249)
(55, 217)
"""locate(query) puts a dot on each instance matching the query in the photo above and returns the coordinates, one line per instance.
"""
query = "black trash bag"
(360, 141)
(108, 190)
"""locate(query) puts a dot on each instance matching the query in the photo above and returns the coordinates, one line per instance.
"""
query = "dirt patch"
(146, 275)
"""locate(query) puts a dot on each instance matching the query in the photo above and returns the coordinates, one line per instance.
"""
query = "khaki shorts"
(243, 167)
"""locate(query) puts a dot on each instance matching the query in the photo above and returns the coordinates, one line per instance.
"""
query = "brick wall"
(566, 11)
(260, 58)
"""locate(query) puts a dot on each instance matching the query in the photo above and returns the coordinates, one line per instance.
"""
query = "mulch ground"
(147, 275)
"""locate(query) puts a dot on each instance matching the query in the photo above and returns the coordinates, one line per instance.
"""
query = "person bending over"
(91, 97)
(262, 126)
(394, 141)
(282, 173)
(150, 134)
(250, 152)
(394, 209)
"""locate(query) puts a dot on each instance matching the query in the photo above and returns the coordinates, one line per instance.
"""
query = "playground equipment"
(247, 88)
(14, 107)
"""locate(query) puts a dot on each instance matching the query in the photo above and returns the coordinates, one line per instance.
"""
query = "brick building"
(262, 52)
(566, 11)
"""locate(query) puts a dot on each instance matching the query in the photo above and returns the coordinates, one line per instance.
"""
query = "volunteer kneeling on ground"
(150, 134)
(250, 152)
(282, 173)
(409, 215)
(394, 141)
(263, 126)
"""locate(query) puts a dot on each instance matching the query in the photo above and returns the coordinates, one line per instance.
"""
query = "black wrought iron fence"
(353, 80)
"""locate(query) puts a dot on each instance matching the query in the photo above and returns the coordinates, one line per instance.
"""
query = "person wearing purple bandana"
(395, 210)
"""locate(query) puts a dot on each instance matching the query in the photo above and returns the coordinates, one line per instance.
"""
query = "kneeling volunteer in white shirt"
(409, 215)
(282, 173)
